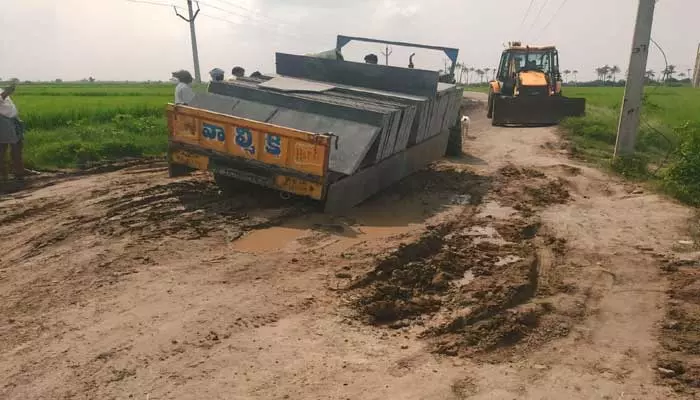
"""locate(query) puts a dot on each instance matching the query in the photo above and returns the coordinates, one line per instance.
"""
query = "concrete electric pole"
(386, 53)
(634, 89)
(193, 36)
(696, 72)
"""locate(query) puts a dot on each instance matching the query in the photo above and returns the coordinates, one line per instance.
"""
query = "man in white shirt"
(183, 91)
(11, 135)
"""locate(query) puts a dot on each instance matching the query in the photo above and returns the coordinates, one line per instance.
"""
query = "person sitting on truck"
(371, 59)
(183, 91)
(237, 72)
(217, 75)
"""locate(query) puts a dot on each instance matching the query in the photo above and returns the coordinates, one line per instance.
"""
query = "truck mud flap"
(354, 189)
(533, 110)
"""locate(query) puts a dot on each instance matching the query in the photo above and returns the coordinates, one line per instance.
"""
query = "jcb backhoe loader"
(527, 89)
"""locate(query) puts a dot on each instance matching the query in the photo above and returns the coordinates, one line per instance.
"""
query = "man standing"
(183, 91)
(11, 135)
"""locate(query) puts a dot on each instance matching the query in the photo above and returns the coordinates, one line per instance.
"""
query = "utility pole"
(634, 87)
(193, 36)
(386, 53)
(696, 73)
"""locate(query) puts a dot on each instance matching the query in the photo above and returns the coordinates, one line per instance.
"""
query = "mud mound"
(469, 288)
(472, 285)
(529, 190)
(680, 336)
(444, 180)
(194, 208)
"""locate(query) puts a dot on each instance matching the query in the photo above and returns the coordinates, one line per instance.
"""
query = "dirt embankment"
(679, 362)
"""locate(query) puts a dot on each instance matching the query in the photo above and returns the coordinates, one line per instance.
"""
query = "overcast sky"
(123, 40)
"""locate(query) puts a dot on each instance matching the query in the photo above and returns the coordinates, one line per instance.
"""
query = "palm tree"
(575, 72)
(682, 75)
(486, 72)
(472, 70)
(669, 71)
(566, 74)
(649, 75)
(601, 73)
(614, 70)
(481, 75)
(459, 67)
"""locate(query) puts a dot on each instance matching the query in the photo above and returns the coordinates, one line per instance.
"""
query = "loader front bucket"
(535, 110)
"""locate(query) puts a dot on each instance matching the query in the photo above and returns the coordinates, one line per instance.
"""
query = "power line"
(554, 16)
(153, 3)
(527, 13)
(245, 22)
(534, 21)
(253, 12)
(237, 13)
(256, 26)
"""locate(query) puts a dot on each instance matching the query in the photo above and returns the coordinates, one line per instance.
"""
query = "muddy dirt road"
(510, 273)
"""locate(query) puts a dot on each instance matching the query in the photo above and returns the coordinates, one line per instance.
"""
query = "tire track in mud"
(476, 283)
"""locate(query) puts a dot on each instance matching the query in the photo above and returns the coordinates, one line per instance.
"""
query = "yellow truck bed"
(277, 157)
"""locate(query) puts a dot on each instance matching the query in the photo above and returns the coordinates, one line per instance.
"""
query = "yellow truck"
(329, 129)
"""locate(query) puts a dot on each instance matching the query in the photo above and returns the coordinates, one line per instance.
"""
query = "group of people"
(11, 136)
(183, 91)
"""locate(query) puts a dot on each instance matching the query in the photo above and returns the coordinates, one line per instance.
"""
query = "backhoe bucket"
(536, 110)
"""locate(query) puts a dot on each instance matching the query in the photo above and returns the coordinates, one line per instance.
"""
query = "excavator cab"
(527, 89)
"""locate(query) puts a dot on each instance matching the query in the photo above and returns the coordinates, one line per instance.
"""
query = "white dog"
(465, 126)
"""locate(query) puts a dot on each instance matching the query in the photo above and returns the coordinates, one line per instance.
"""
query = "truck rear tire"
(454, 141)
(177, 170)
(228, 186)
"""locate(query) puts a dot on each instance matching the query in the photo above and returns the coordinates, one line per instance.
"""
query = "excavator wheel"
(494, 115)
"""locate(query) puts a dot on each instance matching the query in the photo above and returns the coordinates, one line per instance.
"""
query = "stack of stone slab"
(374, 111)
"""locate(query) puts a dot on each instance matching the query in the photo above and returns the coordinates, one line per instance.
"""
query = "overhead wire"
(527, 13)
(153, 3)
(671, 145)
(238, 14)
(245, 22)
(554, 16)
(534, 21)
(253, 12)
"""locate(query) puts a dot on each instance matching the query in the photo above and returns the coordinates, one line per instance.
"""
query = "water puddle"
(268, 240)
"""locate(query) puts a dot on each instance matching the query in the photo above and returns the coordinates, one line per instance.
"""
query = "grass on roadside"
(79, 143)
(668, 142)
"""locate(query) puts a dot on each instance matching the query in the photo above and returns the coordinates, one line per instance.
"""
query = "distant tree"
(567, 72)
(682, 75)
(486, 72)
(472, 70)
(59, 80)
(601, 73)
(649, 75)
(614, 70)
(91, 79)
(480, 73)
(668, 72)
(575, 73)
(14, 80)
